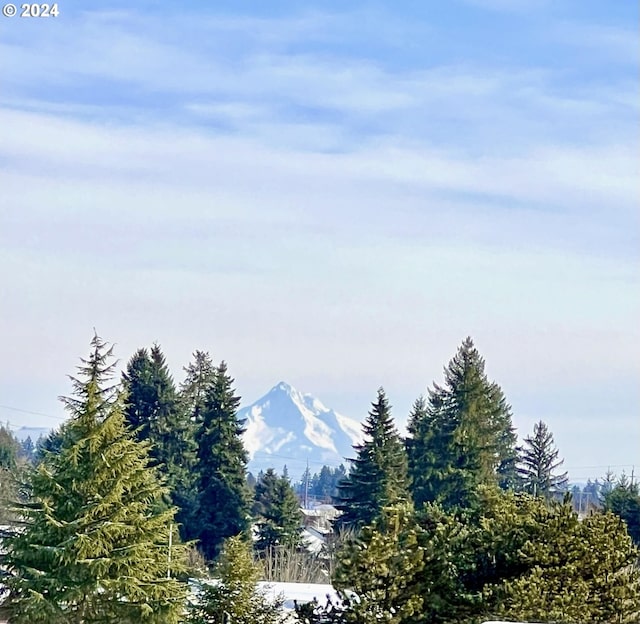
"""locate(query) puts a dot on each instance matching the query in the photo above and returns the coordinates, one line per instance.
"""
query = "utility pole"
(306, 486)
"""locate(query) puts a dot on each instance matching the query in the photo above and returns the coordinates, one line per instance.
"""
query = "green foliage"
(323, 485)
(9, 449)
(526, 559)
(539, 463)
(378, 475)
(200, 377)
(380, 566)
(51, 443)
(277, 513)
(155, 414)
(233, 595)
(12, 469)
(28, 449)
(223, 494)
(512, 556)
(623, 499)
(93, 548)
(575, 571)
(462, 436)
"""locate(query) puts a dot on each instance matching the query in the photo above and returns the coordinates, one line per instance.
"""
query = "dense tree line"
(476, 528)
(320, 486)
(455, 523)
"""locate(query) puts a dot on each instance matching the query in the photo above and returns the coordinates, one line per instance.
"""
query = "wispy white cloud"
(250, 89)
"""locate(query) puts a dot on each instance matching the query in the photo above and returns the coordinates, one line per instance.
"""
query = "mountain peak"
(286, 426)
(283, 386)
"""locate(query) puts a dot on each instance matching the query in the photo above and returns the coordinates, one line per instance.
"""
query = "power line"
(597, 467)
(24, 411)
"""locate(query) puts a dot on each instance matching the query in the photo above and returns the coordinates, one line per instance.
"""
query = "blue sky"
(333, 194)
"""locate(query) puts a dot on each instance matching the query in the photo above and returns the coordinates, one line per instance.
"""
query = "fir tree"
(277, 513)
(9, 449)
(155, 413)
(223, 494)
(421, 450)
(28, 449)
(567, 570)
(462, 436)
(624, 501)
(235, 597)
(323, 485)
(539, 463)
(381, 566)
(142, 396)
(94, 548)
(378, 475)
(200, 377)
(9, 474)
(51, 443)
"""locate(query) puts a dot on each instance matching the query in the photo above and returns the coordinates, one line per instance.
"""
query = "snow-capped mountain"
(286, 427)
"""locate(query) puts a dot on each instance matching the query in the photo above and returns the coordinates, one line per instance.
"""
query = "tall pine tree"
(223, 494)
(277, 512)
(142, 394)
(378, 475)
(623, 500)
(539, 463)
(155, 413)
(462, 436)
(200, 377)
(94, 547)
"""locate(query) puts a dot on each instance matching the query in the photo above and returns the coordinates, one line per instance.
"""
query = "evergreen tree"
(323, 485)
(51, 443)
(277, 513)
(94, 548)
(421, 445)
(223, 494)
(624, 501)
(9, 448)
(9, 474)
(539, 463)
(378, 475)
(28, 449)
(155, 414)
(512, 556)
(567, 570)
(462, 436)
(200, 377)
(142, 396)
(381, 566)
(235, 597)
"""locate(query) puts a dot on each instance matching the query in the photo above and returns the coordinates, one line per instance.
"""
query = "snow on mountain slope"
(288, 427)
